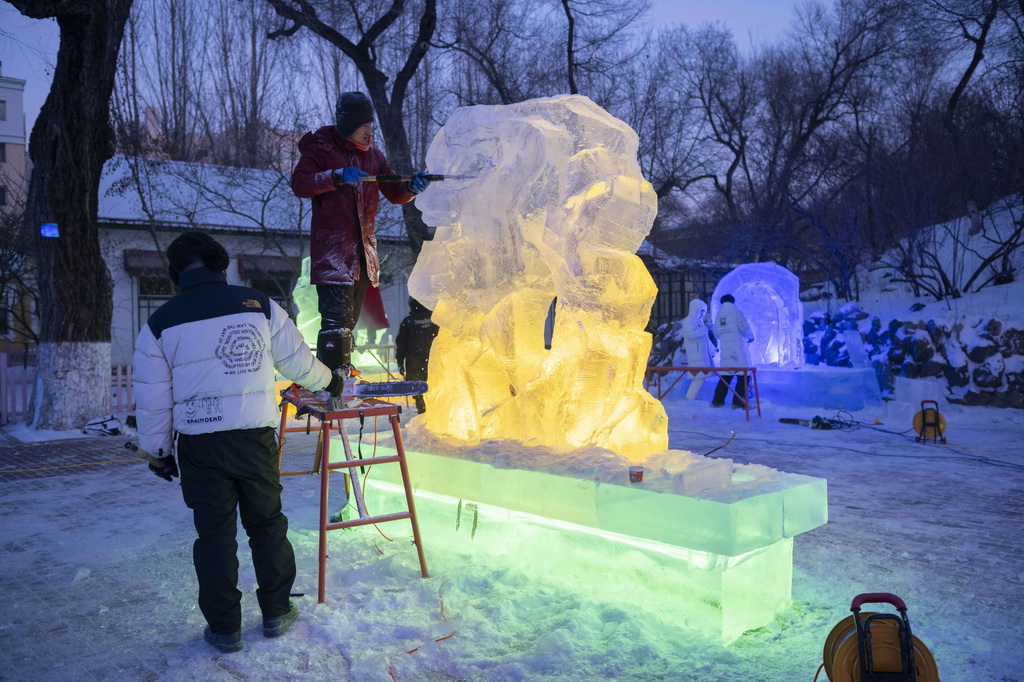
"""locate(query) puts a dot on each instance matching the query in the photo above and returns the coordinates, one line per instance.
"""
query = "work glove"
(419, 182)
(348, 176)
(168, 470)
(337, 382)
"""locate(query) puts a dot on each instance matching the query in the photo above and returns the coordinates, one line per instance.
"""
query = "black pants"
(339, 305)
(723, 388)
(416, 370)
(220, 473)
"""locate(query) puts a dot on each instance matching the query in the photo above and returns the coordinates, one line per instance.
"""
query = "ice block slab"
(702, 474)
(718, 595)
(760, 506)
(831, 388)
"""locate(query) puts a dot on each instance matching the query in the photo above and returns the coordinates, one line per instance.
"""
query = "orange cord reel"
(877, 647)
(929, 424)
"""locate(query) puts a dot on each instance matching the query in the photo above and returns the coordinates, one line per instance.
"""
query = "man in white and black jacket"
(204, 368)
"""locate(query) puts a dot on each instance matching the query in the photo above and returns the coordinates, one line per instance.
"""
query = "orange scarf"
(360, 147)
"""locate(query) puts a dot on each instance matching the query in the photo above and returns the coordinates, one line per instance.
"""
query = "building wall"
(114, 241)
(128, 320)
(13, 175)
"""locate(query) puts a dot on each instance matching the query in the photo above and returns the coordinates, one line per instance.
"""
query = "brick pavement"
(31, 461)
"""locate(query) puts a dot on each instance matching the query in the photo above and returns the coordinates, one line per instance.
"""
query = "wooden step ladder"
(306, 402)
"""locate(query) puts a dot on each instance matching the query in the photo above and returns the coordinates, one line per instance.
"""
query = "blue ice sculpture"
(768, 295)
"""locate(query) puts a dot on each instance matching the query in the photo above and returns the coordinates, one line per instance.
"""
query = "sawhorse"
(306, 402)
(654, 374)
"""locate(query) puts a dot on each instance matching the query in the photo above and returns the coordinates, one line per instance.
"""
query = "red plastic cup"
(636, 474)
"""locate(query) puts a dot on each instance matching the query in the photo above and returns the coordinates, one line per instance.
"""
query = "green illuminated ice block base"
(719, 560)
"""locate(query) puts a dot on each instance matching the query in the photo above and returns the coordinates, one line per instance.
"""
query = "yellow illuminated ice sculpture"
(551, 219)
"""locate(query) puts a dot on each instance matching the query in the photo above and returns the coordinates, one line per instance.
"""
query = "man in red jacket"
(343, 245)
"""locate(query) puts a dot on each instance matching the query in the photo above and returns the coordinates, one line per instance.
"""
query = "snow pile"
(664, 470)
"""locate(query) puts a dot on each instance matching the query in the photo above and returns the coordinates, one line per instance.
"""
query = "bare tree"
(19, 291)
(948, 260)
(533, 48)
(721, 86)
(600, 40)
(174, 64)
(70, 142)
(242, 115)
(507, 42)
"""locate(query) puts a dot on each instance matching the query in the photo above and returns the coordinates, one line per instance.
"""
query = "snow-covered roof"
(139, 191)
(668, 261)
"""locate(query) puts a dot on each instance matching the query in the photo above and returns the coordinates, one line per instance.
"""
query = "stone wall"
(980, 359)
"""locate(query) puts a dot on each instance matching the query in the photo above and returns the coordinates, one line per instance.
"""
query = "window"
(3, 110)
(3, 153)
(277, 287)
(154, 290)
(3, 195)
(273, 275)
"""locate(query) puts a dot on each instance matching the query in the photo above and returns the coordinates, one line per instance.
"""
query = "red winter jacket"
(342, 216)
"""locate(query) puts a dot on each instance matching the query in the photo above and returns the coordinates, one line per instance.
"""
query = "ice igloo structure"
(555, 210)
(768, 295)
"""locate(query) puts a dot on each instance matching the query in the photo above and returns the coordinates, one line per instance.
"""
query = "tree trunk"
(399, 154)
(69, 145)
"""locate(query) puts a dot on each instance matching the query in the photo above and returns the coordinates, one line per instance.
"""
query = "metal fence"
(18, 374)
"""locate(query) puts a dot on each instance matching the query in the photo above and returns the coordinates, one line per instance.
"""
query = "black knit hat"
(352, 110)
(189, 248)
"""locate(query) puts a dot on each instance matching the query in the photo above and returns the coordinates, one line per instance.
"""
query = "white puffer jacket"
(733, 336)
(695, 335)
(205, 361)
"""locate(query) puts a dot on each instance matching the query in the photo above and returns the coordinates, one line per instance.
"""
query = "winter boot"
(275, 627)
(223, 643)
(334, 348)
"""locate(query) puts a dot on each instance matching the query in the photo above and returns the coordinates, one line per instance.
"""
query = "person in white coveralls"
(733, 337)
(697, 343)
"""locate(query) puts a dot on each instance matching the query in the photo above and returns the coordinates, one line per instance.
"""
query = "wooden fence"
(18, 374)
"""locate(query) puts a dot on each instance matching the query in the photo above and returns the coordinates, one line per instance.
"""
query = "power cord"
(962, 455)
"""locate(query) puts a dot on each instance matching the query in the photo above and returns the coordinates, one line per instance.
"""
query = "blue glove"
(419, 182)
(348, 176)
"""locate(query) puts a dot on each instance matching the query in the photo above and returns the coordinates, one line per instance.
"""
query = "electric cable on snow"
(981, 459)
(731, 436)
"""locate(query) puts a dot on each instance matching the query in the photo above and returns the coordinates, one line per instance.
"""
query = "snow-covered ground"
(98, 580)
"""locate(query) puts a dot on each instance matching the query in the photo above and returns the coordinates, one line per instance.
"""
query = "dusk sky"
(28, 47)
